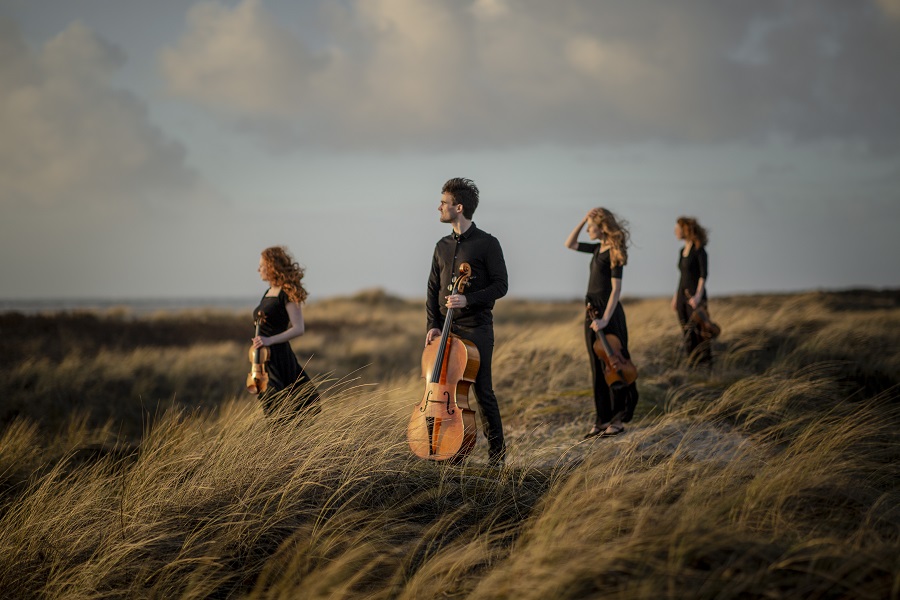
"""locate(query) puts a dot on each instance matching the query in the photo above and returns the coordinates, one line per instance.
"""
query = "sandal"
(612, 430)
(598, 429)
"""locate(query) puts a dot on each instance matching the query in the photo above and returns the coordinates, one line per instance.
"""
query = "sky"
(154, 149)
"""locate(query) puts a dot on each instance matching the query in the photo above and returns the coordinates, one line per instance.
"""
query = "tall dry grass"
(773, 474)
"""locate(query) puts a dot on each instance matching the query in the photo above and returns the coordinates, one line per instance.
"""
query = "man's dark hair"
(465, 192)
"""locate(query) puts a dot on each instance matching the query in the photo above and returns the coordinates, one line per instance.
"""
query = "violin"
(700, 319)
(617, 370)
(442, 425)
(258, 379)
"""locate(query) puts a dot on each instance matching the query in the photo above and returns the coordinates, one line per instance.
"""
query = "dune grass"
(140, 469)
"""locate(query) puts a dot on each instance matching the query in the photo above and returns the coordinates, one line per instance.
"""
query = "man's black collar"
(464, 235)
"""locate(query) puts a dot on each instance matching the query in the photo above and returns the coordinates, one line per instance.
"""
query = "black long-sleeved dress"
(692, 268)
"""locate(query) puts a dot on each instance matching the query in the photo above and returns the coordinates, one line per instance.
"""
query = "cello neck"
(439, 359)
(465, 272)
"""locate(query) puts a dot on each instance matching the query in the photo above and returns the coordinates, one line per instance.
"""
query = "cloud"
(404, 73)
(890, 7)
(240, 60)
(69, 136)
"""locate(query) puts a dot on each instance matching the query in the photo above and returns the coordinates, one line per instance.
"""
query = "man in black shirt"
(472, 319)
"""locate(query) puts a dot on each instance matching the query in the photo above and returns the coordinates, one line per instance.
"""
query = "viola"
(258, 379)
(617, 370)
(442, 425)
(700, 318)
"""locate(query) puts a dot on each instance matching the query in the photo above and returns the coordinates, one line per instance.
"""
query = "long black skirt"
(290, 388)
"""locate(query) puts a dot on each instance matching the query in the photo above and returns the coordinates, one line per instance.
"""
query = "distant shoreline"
(144, 306)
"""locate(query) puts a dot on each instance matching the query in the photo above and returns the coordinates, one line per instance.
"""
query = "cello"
(442, 425)
(258, 379)
(617, 370)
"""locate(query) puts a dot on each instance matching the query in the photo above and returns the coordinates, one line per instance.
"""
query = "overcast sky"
(153, 149)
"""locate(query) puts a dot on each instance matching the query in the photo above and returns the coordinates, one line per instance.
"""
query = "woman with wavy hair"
(609, 254)
(281, 307)
(691, 292)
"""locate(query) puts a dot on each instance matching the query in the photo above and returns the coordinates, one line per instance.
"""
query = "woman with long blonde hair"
(609, 255)
(693, 265)
(281, 306)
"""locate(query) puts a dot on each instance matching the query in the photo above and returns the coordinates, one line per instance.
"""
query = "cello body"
(442, 425)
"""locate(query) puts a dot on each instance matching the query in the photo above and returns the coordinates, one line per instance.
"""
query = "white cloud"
(241, 60)
(404, 73)
(69, 136)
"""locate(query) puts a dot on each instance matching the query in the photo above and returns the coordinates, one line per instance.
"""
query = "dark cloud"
(402, 74)
(70, 136)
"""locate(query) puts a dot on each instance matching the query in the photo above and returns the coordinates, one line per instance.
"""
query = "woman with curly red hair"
(281, 307)
(693, 265)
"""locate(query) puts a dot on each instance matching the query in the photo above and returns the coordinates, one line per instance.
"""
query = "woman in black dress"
(691, 291)
(609, 256)
(281, 305)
